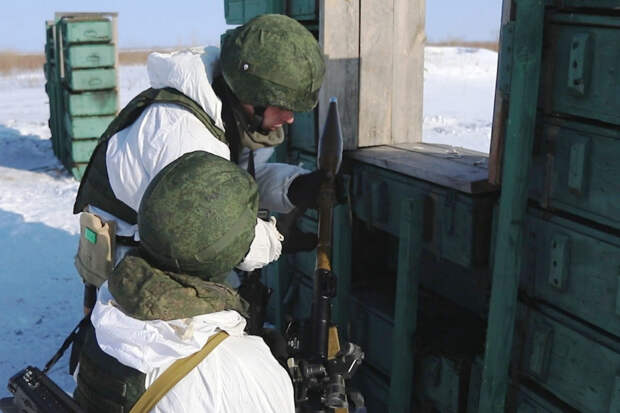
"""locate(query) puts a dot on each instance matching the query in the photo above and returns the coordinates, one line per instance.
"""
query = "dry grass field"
(11, 61)
(460, 43)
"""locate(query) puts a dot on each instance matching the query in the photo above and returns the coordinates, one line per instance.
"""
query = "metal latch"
(540, 348)
(559, 261)
(578, 166)
(579, 63)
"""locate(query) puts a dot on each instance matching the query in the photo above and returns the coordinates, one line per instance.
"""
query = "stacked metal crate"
(82, 83)
(572, 323)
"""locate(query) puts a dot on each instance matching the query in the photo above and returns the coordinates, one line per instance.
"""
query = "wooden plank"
(500, 110)
(406, 305)
(509, 246)
(376, 72)
(408, 70)
(468, 178)
(339, 37)
(454, 153)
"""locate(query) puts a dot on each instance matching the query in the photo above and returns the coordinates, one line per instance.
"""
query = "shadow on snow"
(28, 152)
(40, 296)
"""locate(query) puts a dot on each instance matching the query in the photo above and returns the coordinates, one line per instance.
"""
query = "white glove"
(266, 246)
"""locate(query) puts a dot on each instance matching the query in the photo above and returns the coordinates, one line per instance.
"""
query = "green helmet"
(198, 215)
(273, 60)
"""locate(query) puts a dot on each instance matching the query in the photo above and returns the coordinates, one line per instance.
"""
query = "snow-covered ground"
(40, 291)
(459, 84)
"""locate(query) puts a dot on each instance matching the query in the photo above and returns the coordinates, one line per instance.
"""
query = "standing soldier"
(270, 67)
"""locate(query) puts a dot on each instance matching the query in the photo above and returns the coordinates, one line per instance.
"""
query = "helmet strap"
(255, 122)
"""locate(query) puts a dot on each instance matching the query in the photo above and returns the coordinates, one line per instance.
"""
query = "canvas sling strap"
(174, 374)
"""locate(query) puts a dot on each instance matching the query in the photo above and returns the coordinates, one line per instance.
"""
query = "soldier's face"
(274, 117)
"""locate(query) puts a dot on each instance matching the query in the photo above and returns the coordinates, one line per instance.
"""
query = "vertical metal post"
(406, 306)
(509, 246)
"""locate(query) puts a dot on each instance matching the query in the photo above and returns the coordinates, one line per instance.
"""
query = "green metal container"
(374, 387)
(302, 132)
(83, 127)
(241, 11)
(303, 159)
(302, 303)
(574, 267)
(49, 52)
(457, 225)
(304, 262)
(442, 383)
(49, 41)
(528, 401)
(576, 170)
(581, 74)
(85, 56)
(303, 10)
(573, 361)
(371, 328)
(78, 170)
(80, 150)
(591, 4)
(86, 31)
(91, 79)
(91, 103)
(81, 84)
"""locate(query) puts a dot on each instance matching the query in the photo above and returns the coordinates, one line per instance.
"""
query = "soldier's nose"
(288, 117)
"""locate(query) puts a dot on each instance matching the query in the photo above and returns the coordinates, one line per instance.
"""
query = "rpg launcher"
(323, 368)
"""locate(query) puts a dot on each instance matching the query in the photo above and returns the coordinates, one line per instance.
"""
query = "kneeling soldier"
(159, 312)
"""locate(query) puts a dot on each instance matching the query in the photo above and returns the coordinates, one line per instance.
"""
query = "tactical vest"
(95, 187)
(104, 385)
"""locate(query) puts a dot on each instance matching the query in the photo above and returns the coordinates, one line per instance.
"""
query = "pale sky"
(166, 23)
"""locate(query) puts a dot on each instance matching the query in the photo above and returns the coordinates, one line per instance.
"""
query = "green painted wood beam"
(509, 248)
(406, 306)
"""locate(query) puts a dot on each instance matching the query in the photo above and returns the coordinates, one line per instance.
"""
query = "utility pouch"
(97, 251)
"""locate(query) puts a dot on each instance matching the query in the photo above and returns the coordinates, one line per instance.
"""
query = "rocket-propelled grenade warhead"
(329, 160)
(330, 143)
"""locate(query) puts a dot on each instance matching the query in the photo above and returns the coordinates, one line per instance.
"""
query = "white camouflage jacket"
(164, 132)
(240, 375)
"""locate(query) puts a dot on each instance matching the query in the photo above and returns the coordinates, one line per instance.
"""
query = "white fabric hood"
(130, 340)
(240, 375)
(191, 72)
